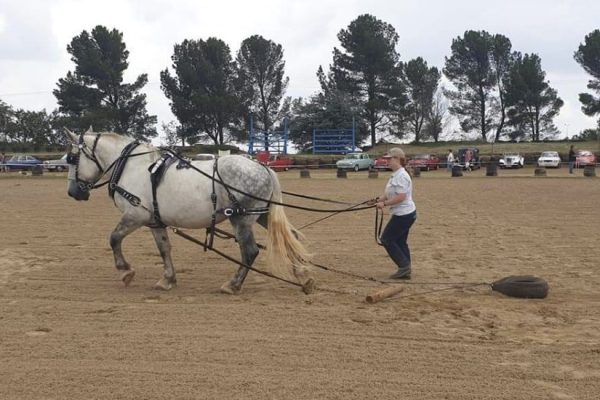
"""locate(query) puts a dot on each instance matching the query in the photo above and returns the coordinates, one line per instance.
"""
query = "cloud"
(34, 35)
(25, 32)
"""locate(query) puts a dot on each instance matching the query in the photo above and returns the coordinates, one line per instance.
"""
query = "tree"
(532, 103)
(438, 118)
(261, 81)
(95, 95)
(201, 91)
(421, 83)
(469, 69)
(329, 109)
(6, 115)
(588, 135)
(588, 56)
(368, 69)
(501, 59)
(173, 133)
(31, 127)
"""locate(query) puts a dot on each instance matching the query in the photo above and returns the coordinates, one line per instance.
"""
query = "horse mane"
(116, 136)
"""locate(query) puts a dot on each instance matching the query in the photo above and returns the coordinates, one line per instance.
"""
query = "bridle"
(90, 154)
(116, 166)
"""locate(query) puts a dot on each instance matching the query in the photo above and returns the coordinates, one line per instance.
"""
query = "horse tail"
(283, 239)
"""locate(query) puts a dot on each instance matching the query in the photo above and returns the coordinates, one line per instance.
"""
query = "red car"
(383, 162)
(280, 162)
(424, 162)
(584, 158)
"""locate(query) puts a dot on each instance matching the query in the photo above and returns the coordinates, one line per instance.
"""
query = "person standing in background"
(3, 160)
(468, 158)
(450, 160)
(572, 159)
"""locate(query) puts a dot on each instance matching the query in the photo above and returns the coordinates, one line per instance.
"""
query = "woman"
(572, 159)
(398, 197)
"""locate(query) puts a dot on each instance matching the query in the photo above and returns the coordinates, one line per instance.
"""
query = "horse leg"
(164, 247)
(123, 228)
(248, 249)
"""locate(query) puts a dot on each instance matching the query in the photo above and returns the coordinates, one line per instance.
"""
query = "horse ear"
(71, 137)
(90, 130)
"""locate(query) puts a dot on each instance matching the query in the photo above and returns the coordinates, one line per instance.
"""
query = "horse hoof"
(163, 284)
(127, 277)
(228, 289)
(309, 286)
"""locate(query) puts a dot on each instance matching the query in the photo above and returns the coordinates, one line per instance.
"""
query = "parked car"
(584, 158)
(511, 160)
(263, 156)
(474, 162)
(549, 159)
(383, 162)
(21, 162)
(57, 165)
(424, 162)
(355, 161)
(351, 149)
(280, 162)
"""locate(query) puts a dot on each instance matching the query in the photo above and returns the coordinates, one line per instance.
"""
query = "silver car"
(355, 161)
(59, 165)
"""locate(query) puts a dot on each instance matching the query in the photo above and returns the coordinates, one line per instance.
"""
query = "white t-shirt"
(400, 182)
(450, 157)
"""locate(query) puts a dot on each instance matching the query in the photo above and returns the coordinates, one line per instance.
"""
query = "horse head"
(85, 169)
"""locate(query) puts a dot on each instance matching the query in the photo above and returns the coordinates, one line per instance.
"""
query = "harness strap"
(119, 167)
(157, 171)
(210, 232)
(130, 197)
(229, 195)
(234, 211)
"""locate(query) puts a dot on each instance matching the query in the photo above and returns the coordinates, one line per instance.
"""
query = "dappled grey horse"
(184, 199)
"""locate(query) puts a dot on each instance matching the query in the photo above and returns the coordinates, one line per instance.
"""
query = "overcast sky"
(34, 35)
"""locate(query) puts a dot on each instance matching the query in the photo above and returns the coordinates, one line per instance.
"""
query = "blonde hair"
(399, 154)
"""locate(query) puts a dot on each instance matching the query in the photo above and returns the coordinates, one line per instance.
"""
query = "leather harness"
(157, 171)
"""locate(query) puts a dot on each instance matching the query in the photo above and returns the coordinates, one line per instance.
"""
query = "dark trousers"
(395, 236)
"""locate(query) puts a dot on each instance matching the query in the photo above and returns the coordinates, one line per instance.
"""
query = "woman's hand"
(373, 202)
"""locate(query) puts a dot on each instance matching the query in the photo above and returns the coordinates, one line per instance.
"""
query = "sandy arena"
(69, 329)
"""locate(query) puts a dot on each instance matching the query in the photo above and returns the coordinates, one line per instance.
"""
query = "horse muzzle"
(76, 192)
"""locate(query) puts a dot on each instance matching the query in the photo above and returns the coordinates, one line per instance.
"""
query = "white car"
(549, 159)
(511, 160)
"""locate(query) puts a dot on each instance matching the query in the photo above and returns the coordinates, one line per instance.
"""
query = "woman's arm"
(383, 202)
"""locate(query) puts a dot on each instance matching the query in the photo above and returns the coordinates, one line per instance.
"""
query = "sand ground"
(69, 329)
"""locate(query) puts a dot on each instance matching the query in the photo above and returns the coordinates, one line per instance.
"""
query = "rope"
(331, 215)
(314, 198)
(226, 235)
(207, 247)
(462, 286)
(265, 200)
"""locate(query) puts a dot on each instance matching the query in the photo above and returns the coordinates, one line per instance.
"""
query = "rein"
(227, 186)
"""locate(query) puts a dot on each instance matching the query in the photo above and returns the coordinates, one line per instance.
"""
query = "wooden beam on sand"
(383, 294)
